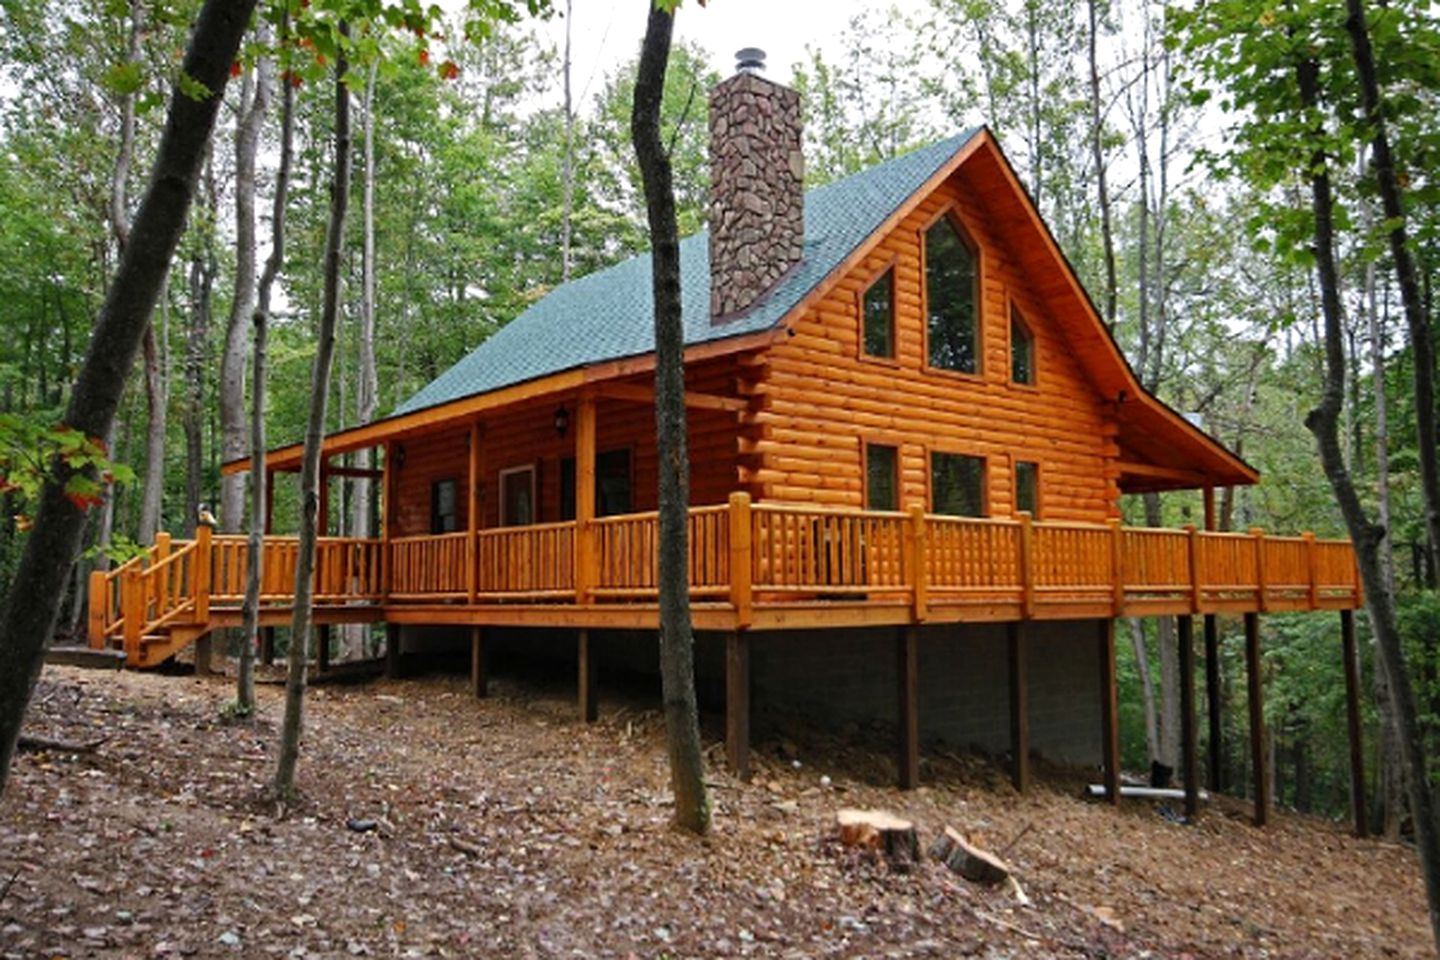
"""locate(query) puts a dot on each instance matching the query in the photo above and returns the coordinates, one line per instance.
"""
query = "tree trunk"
(299, 652)
(1323, 422)
(156, 401)
(32, 604)
(568, 171)
(259, 478)
(254, 103)
(202, 281)
(1409, 281)
(1097, 154)
(677, 670)
(1147, 687)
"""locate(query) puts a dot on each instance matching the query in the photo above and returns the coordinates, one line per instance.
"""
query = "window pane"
(612, 483)
(880, 485)
(1027, 488)
(443, 517)
(879, 317)
(518, 498)
(1022, 351)
(950, 297)
(957, 485)
(567, 488)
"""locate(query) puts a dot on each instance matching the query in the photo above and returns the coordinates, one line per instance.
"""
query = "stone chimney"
(757, 187)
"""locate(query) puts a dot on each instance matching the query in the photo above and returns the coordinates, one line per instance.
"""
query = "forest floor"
(504, 827)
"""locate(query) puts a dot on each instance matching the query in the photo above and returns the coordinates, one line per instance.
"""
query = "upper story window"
(877, 307)
(952, 298)
(882, 487)
(1022, 350)
(957, 485)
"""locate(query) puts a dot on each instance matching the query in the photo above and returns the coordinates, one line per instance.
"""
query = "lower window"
(957, 485)
(517, 497)
(1027, 488)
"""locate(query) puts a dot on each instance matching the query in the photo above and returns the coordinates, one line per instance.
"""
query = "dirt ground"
(505, 827)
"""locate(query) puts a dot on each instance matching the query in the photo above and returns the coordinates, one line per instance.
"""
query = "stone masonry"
(757, 189)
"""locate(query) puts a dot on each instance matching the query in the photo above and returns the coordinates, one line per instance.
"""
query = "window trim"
(533, 468)
(890, 266)
(952, 211)
(1015, 462)
(985, 498)
(865, 446)
(1016, 314)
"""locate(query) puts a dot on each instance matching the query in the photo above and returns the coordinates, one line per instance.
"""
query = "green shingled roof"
(609, 314)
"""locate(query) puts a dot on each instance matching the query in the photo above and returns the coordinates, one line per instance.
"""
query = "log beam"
(589, 705)
(1109, 709)
(737, 703)
(1016, 644)
(1352, 717)
(1212, 701)
(907, 662)
(1189, 760)
(1258, 771)
(479, 676)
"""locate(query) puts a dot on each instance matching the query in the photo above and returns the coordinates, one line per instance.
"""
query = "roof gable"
(609, 314)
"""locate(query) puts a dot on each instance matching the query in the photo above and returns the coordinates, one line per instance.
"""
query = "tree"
(27, 618)
(677, 668)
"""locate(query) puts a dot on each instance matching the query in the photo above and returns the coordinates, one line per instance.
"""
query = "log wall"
(820, 401)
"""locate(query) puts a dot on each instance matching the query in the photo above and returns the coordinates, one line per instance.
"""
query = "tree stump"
(881, 832)
(969, 861)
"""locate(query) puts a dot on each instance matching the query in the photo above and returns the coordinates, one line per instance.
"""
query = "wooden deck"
(762, 566)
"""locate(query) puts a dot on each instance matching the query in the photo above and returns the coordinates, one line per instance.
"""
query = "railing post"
(200, 573)
(919, 571)
(132, 608)
(585, 573)
(1197, 592)
(1310, 567)
(1262, 599)
(99, 609)
(1117, 565)
(742, 559)
(472, 517)
(1027, 565)
(161, 584)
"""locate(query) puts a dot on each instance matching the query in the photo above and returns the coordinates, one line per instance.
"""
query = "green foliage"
(32, 453)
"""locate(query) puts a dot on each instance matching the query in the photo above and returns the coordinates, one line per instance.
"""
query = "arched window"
(952, 298)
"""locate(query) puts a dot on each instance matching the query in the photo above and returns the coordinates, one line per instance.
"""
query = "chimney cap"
(750, 60)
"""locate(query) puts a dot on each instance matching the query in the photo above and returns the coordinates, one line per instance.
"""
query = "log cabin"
(909, 433)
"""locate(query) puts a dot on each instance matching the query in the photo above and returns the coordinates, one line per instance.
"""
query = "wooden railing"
(757, 556)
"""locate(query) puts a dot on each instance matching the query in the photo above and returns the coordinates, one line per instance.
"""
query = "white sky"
(606, 33)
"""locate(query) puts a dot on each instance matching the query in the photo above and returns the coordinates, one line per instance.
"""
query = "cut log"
(969, 861)
(34, 744)
(882, 832)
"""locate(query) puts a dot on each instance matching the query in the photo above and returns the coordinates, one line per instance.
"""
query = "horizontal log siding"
(527, 435)
(820, 402)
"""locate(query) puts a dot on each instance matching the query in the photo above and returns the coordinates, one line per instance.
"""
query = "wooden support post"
(322, 517)
(267, 645)
(1197, 580)
(742, 559)
(1117, 567)
(585, 567)
(1109, 710)
(1212, 701)
(915, 561)
(1311, 573)
(387, 482)
(589, 705)
(737, 702)
(1019, 706)
(99, 610)
(479, 675)
(132, 609)
(907, 663)
(204, 655)
(269, 501)
(472, 516)
(1258, 767)
(1262, 595)
(322, 648)
(200, 572)
(1352, 716)
(1027, 566)
(392, 650)
(1189, 760)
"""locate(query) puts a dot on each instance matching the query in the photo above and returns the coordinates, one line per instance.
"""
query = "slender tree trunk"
(299, 652)
(1147, 687)
(1323, 422)
(259, 507)
(254, 103)
(197, 337)
(1408, 279)
(27, 618)
(156, 402)
(677, 669)
(569, 161)
(1097, 154)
